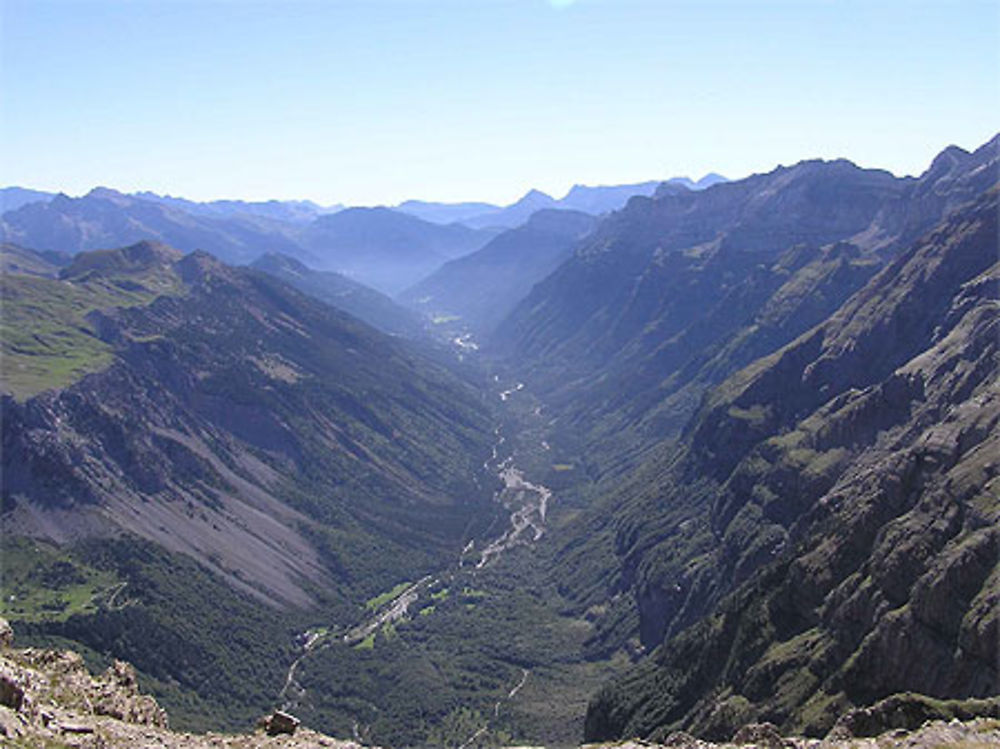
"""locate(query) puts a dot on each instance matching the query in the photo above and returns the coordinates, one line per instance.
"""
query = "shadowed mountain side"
(341, 292)
(843, 517)
(673, 294)
(482, 288)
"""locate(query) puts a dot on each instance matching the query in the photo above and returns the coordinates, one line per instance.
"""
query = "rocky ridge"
(49, 698)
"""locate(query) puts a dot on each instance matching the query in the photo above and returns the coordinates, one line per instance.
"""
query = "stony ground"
(49, 699)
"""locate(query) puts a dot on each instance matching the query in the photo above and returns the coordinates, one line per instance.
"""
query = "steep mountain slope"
(850, 479)
(672, 294)
(281, 443)
(339, 291)
(482, 288)
(104, 218)
(386, 249)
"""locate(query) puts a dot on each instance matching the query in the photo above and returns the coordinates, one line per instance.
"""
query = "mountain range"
(724, 456)
(595, 200)
(214, 392)
(388, 249)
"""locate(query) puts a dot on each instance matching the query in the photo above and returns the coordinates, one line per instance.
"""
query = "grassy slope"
(46, 339)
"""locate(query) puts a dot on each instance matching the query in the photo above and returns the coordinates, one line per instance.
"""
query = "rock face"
(47, 693)
(908, 712)
(279, 723)
(764, 735)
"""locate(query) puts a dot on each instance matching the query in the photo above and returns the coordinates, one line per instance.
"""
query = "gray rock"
(760, 734)
(279, 722)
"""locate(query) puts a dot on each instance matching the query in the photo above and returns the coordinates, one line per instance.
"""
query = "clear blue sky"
(372, 101)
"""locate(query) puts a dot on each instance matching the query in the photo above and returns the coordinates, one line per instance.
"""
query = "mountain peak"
(105, 192)
(535, 198)
(946, 161)
(138, 257)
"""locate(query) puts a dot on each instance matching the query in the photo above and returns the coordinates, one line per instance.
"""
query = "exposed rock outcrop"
(49, 698)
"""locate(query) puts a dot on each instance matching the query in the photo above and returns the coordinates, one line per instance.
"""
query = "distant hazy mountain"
(386, 249)
(445, 213)
(292, 211)
(339, 291)
(595, 200)
(106, 218)
(598, 200)
(514, 214)
(482, 288)
(703, 184)
(12, 198)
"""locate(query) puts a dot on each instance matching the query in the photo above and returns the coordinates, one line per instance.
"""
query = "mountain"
(445, 213)
(704, 183)
(12, 198)
(514, 214)
(729, 460)
(290, 211)
(386, 249)
(105, 218)
(248, 422)
(674, 293)
(845, 516)
(15, 259)
(337, 290)
(603, 199)
(483, 287)
(595, 200)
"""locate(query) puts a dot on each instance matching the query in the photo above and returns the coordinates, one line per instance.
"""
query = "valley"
(699, 463)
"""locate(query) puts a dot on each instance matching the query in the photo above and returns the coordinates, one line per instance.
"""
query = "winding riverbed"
(527, 504)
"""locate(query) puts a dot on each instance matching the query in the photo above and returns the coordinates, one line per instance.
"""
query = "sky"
(376, 101)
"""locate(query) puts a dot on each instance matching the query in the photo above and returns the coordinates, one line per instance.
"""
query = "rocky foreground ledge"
(49, 699)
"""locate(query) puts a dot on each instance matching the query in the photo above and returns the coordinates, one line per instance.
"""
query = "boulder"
(11, 690)
(6, 634)
(279, 722)
(761, 735)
